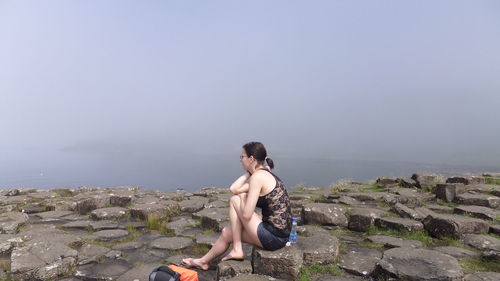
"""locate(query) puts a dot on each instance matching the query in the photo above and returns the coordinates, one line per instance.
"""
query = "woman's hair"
(258, 151)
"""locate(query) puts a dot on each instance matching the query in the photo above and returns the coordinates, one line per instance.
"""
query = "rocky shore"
(424, 227)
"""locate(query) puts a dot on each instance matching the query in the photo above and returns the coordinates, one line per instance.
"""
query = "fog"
(163, 94)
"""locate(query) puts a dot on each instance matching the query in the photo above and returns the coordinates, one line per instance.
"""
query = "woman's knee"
(227, 234)
(235, 200)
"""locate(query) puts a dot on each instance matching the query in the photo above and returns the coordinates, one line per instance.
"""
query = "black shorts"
(268, 240)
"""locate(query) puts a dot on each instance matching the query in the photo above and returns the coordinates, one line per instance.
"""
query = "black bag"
(164, 273)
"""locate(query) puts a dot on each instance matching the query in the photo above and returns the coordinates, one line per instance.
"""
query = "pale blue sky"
(413, 81)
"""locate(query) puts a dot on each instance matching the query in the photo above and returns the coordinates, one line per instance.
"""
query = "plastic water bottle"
(293, 233)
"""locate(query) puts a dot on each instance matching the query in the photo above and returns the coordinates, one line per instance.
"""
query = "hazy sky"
(386, 80)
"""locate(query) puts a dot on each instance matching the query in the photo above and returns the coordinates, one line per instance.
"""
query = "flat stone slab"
(128, 246)
(478, 200)
(495, 229)
(477, 212)
(254, 277)
(231, 268)
(439, 209)
(449, 191)
(212, 218)
(394, 242)
(84, 225)
(482, 276)
(441, 225)
(284, 263)
(360, 261)
(109, 235)
(53, 214)
(338, 278)
(456, 252)
(362, 219)
(89, 253)
(325, 214)
(311, 230)
(42, 260)
(105, 225)
(193, 205)
(418, 264)
(108, 270)
(160, 210)
(140, 273)
(400, 224)
(488, 244)
(172, 243)
(319, 249)
(207, 239)
(406, 212)
(108, 213)
(180, 225)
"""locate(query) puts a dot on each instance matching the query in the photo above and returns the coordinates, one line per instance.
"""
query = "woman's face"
(245, 160)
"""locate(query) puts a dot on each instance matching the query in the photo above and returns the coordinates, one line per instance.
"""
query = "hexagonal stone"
(439, 208)
(212, 218)
(53, 214)
(231, 268)
(362, 219)
(193, 205)
(172, 243)
(401, 224)
(253, 277)
(139, 273)
(107, 270)
(127, 246)
(495, 229)
(425, 179)
(360, 261)
(180, 225)
(284, 263)
(488, 244)
(449, 191)
(440, 225)
(394, 242)
(418, 264)
(109, 213)
(160, 210)
(105, 224)
(339, 278)
(477, 212)
(84, 225)
(89, 253)
(325, 214)
(109, 235)
(319, 249)
(311, 230)
(406, 212)
(89, 202)
(456, 252)
(479, 200)
(482, 276)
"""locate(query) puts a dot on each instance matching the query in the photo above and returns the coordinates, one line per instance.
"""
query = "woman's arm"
(255, 185)
(240, 185)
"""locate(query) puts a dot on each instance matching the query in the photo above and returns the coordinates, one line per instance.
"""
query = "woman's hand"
(240, 185)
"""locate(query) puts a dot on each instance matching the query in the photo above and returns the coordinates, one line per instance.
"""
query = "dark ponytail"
(258, 151)
(270, 163)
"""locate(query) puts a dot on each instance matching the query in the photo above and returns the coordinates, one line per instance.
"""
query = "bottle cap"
(294, 219)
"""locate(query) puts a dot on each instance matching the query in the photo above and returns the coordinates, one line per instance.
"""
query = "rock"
(121, 198)
(477, 212)
(284, 263)
(394, 242)
(89, 253)
(159, 210)
(319, 249)
(449, 191)
(400, 224)
(386, 182)
(140, 273)
(339, 278)
(33, 209)
(77, 225)
(407, 182)
(10, 222)
(412, 197)
(456, 252)
(425, 180)
(109, 235)
(231, 268)
(127, 246)
(495, 229)
(172, 243)
(360, 261)
(108, 213)
(439, 209)
(488, 244)
(325, 214)
(406, 212)
(91, 202)
(11, 192)
(365, 196)
(180, 225)
(478, 200)
(418, 264)
(207, 239)
(362, 219)
(51, 215)
(482, 276)
(107, 270)
(224, 204)
(466, 179)
(440, 225)
(193, 205)
(105, 225)
(212, 218)
(253, 277)
(42, 260)
(311, 230)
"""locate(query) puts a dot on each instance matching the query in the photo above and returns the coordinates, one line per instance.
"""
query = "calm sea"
(192, 173)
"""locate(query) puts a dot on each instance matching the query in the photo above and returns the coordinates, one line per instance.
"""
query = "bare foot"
(197, 263)
(234, 255)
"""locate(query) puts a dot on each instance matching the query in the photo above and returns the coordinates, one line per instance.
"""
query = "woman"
(258, 187)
